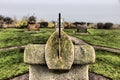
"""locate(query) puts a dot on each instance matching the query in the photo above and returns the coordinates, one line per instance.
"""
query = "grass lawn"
(107, 64)
(14, 37)
(11, 62)
(109, 38)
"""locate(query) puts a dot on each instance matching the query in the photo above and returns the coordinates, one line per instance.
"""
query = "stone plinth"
(41, 72)
(59, 59)
(34, 55)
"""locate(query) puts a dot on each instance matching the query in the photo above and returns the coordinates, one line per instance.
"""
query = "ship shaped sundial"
(59, 50)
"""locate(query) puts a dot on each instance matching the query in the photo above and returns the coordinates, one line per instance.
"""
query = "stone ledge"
(35, 54)
(41, 72)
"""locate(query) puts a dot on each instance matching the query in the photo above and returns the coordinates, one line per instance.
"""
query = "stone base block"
(41, 72)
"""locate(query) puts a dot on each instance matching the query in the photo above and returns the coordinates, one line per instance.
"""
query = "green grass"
(109, 38)
(107, 64)
(11, 64)
(15, 37)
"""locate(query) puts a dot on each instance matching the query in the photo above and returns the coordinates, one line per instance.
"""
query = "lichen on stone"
(34, 54)
(84, 54)
(65, 58)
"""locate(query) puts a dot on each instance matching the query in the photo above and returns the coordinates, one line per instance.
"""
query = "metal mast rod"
(59, 35)
(59, 25)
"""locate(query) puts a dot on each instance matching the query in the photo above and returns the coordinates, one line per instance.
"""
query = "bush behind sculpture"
(107, 25)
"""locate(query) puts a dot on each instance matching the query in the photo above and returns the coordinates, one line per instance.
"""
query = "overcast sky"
(72, 10)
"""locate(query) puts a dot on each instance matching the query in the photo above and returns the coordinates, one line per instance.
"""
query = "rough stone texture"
(35, 54)
(59, 52)
(84, 54)
(92, 76)
(40, 72)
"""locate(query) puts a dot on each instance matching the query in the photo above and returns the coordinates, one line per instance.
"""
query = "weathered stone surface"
(59, 52)
(35, 54)
(84, 54)
(41, 72)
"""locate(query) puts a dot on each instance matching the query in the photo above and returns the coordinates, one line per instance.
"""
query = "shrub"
(100, 25)
(68, 25)
(32, 19)
(108, 25)
(1, 17)
(88, 24)
(79, 23)
(22, 24)
(43, 24)
(8, 20)
(82, 23)
(1, 20)
(51, 24)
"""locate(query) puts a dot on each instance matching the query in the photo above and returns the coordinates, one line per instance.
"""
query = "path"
(11, 48)
(78, 41)
(75, 41)
(114, 50)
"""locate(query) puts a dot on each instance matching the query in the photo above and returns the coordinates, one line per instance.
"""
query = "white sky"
(72, 10)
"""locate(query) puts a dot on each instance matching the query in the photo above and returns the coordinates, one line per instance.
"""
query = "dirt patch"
(21, 77)
(93, 76)
(14, 47)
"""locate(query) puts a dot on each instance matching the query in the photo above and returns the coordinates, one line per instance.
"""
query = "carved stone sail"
(59, 52)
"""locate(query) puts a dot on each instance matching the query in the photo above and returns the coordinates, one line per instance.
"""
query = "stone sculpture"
(59, 59)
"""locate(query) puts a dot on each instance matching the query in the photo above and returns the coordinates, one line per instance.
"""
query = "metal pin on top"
(59, 25)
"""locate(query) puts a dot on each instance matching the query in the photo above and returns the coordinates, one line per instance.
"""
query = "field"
(108, 38)
(11, 61)
(17, 37)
